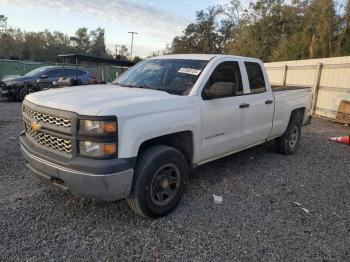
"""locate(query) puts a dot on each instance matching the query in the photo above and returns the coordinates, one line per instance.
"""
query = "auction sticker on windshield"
(190, 71)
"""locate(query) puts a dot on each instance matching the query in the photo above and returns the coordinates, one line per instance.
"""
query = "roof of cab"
(197, 56)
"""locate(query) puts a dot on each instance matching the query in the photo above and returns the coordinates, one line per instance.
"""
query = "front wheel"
(288, 143)
(159, 181)
(22, 92)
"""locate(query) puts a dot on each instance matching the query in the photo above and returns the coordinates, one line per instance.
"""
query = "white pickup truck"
(139, 137)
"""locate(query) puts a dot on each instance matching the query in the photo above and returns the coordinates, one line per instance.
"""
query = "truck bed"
(293, 97)
(278, 88)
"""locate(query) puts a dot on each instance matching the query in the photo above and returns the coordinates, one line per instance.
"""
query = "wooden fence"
(328, 77)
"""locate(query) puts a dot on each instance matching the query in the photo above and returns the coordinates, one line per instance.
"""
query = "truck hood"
(107, 100)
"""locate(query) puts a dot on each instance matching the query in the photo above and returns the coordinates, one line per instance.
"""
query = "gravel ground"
(257, 220)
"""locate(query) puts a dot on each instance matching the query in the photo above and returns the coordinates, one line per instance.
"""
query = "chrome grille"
(50, 141)
(49, 119)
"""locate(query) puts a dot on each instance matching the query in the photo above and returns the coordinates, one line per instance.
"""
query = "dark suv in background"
(16, 87)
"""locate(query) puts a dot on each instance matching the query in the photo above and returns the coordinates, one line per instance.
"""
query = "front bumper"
(7, 93)
(101, 185)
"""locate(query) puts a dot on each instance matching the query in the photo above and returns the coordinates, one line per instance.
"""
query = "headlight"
(11, 83)
(99, 150)
(92, 127)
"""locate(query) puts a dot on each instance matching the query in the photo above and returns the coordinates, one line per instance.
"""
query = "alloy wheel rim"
(293, 137)
(165, 184)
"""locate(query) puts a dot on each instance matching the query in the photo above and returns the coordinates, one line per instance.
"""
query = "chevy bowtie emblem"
(35, 126)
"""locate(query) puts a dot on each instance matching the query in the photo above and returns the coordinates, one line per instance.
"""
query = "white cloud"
(140, 16)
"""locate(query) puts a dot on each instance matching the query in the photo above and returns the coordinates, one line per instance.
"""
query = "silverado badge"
(35, 126)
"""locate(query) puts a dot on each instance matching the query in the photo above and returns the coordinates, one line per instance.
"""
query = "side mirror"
(44, 76)
(219, 90)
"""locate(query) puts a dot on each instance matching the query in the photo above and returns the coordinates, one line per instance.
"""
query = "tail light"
(93, 77)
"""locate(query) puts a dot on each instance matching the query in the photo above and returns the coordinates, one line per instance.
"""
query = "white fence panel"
(275, 75)
(334, 84)
(301, 75)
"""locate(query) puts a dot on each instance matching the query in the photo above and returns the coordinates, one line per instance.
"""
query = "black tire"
(21, 94)
(150, 185)
(12, 98)
(288, 143)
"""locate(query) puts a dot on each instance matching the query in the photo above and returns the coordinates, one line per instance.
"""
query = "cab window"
(225, 81)
(255, 77)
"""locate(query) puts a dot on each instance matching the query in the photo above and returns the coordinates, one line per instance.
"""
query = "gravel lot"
(257, 220)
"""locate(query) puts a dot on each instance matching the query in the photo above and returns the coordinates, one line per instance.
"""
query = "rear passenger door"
(75, 74)
(260, 104)
(71, 73)
(55, 74)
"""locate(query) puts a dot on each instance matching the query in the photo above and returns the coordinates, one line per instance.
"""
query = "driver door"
(47, 79)
(222, 115)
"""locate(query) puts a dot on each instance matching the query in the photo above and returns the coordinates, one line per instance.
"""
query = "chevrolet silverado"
(139, 137)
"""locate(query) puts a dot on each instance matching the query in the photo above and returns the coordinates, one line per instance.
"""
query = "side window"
(225, 81)
(255, 77)
(54, 73)
(69, 72)
(81, 72)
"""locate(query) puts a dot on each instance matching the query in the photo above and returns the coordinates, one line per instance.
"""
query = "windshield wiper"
(135, 86)
(148, 87)
(119, 84)
(142, 86)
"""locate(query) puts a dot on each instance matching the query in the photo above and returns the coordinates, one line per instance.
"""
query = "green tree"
(321, 28)
(271, 30)
(208, 34)
(137, 59)
(3, 23)
(98, 47)
(123, 53)
(343, 41)
(266, 29)
(46, 45)
(81, 41)
(10, 40)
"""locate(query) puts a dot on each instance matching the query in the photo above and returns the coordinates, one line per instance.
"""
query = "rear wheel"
(159, 181)
(288, 143)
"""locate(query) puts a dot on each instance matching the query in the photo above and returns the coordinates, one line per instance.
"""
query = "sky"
(156, 21)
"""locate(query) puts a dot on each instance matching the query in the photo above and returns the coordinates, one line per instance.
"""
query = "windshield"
(36, 71)
(175, 76)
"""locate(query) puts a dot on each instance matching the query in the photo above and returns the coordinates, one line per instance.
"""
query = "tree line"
(271, 30)
(46, 45)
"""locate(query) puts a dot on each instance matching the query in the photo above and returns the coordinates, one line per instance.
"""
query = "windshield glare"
(175, 76)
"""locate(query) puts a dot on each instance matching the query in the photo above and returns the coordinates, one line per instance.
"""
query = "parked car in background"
(16, 87)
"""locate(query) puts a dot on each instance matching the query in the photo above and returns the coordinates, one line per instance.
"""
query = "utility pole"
(116, 50)
(132, 42)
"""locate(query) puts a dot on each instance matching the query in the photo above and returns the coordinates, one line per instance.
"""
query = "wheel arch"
(297, 114)
(182, 141)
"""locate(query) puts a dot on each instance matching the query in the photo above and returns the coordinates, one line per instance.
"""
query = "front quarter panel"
(136, 129)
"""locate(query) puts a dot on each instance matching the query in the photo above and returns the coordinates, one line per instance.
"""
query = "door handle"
(244, 105)
(268, 102)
